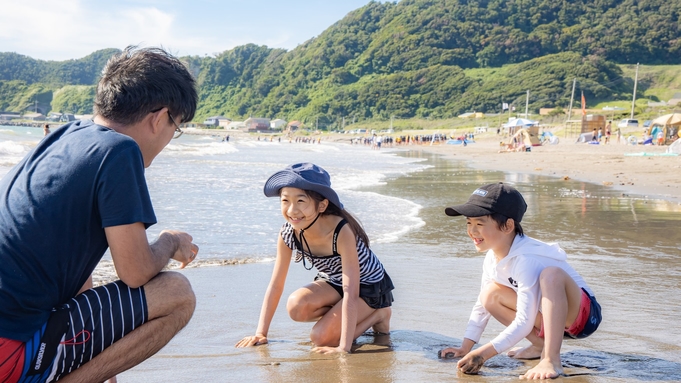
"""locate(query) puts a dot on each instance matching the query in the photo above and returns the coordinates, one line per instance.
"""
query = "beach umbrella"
(518, 122)
(668, 119)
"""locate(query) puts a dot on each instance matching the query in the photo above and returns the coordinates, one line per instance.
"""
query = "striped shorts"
(80, 329)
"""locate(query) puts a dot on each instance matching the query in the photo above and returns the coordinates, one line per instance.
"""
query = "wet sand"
(613, 165)
(626, 247)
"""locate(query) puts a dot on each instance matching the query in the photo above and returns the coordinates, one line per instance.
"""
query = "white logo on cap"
(480, 192)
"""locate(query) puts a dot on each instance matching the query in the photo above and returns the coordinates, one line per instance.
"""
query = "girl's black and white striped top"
(330, 267)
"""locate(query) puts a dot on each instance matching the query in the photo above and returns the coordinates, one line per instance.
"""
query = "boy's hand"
(471, 363)
(451, 352)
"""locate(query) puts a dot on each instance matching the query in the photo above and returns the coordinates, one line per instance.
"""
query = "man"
(80, 191)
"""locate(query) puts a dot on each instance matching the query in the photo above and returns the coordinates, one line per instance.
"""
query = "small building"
(472, 115)
(234, 125)
(9, 116)
(217, 121)
(293, 126)
(34, 116)
(84, 116)
(277, 124)
(257, 124)
(67, 117)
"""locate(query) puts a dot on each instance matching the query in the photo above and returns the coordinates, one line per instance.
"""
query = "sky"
(71, 29)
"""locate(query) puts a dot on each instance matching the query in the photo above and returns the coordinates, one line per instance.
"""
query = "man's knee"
(170, 293)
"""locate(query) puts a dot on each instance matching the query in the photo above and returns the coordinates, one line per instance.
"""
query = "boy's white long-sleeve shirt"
(520, 271)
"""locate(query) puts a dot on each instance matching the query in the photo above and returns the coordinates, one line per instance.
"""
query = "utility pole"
(633, 101)
(572, 97)
(527, 101)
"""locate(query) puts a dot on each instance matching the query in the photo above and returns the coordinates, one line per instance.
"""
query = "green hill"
(413, 59)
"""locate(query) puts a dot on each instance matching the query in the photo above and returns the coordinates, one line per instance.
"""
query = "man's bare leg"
(501, 301)
(560, 302)
(171, 303)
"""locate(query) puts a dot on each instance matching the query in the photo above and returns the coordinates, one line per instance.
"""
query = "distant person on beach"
(46, 129)
(594, 136)
(527, 285)
(53, 324)
(351, 292)
(608, 132)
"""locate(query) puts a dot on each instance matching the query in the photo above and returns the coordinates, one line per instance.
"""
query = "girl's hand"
(329, 350)
(254, 340)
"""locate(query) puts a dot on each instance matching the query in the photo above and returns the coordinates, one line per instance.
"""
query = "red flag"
(583, 104)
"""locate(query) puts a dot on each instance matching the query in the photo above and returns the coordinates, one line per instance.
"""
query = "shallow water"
(627, 248)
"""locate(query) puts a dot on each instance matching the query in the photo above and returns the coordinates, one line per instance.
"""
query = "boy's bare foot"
(382, 326)
(544, 370)
(530, 352)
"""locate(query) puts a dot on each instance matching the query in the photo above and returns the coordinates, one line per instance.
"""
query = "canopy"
(669, 125)
(519, 122)
(668, 119)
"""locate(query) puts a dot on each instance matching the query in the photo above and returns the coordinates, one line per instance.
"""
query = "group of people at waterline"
(56, 326)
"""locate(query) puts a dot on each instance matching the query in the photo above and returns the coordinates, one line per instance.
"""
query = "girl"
(351, 292)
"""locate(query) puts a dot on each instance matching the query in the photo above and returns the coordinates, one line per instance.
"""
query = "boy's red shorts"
(587, 321)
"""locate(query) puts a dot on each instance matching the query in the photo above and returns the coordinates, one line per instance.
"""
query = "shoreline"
(618, 166)
(651, 176)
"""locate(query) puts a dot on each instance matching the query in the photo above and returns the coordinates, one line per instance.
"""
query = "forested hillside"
(413, 58)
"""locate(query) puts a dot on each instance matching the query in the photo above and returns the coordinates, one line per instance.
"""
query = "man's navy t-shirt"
(54, 206)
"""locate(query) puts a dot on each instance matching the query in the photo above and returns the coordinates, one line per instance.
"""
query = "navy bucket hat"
(306, 176)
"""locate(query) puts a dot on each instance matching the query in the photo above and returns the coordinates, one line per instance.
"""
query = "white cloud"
(65, 29)
(69, 29)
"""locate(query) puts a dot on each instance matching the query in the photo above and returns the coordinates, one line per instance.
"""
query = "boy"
(527, 285)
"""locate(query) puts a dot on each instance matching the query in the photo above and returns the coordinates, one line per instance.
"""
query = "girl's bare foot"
(530, 352)
(382, 325)
(544, 370)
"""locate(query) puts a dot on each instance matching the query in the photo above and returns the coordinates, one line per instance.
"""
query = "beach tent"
(669, 124)
(675, 147)
(525, 137)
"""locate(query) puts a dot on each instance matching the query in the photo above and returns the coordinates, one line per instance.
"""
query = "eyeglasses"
(177, 127)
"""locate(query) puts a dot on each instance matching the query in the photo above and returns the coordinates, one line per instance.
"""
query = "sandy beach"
(614, 165)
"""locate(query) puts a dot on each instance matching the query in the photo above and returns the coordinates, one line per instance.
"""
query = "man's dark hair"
(136, 82)
(502, 220)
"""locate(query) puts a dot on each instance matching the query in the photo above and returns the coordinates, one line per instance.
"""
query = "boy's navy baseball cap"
(493, 198)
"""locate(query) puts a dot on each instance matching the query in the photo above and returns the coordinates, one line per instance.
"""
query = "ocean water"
(213, 189)
(628, 248)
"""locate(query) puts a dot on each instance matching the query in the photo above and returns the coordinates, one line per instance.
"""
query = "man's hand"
(186, 250)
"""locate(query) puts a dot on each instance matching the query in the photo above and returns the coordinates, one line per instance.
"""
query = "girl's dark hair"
(335, 210)
(501, 221)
